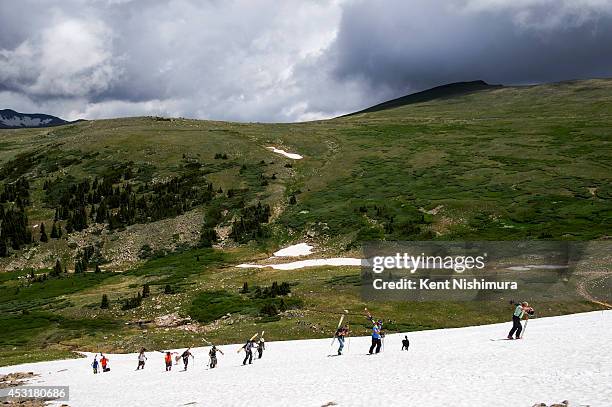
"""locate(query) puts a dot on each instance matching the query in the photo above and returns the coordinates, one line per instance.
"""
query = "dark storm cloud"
(419, 44)
(282, 61)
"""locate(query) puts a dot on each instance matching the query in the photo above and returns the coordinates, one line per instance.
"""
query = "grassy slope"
(511, 163)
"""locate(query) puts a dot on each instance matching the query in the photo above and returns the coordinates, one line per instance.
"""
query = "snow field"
(560, 358)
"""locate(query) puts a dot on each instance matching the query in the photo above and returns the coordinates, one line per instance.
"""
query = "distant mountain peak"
(10, 119)
(438, 92)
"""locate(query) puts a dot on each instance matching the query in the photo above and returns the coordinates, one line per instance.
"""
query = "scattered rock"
(171, 320)
(564, 403)
(15, 379)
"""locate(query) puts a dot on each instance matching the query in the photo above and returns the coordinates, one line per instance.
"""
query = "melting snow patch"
(295, 265)
(537, 266)
(250, 266)
(285, 153)
(300, 249)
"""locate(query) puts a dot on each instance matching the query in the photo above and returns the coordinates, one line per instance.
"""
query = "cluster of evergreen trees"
(14, 229)
(83, 258)
(134, 302)
(119, 203)
(402, 223)
(17, 192)
(272, 291)
(250, 224)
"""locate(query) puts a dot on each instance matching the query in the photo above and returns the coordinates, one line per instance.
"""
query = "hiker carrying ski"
(185, 356)
(376, 333)
(212, 353)
(405, 343)
(94, 365)
(522, 310)
(104, 363)
(248, 349)
(261, 346)
(141, 359)
(341, 334)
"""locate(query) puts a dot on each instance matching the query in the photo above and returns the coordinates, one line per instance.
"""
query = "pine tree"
(105, 304)
(43, 233)
(97, 269)
(146, 291)
(54, 232)
(208, 236)
(57, 269)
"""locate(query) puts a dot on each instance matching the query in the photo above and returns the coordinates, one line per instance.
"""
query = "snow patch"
(300, 249)
(285, 153)
(537, 266)
(24, 121)
(295, 265)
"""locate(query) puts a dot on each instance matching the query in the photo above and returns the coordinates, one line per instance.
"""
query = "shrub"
(269, 309)
(105, 303)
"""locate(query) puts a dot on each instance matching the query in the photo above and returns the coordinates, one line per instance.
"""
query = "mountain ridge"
(437, 92)
(11, 119)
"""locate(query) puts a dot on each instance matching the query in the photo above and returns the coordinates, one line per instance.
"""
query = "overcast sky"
(274, 60)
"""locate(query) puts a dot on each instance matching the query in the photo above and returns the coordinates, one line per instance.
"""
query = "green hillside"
(142, 200)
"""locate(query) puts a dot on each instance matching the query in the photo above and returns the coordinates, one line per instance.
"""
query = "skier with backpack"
(185, 356)
(95, 365)
(248, 349)
(261, 346)
(213, 356)
(141, 359)
(104, 363)
(341, 334)
(521, 311)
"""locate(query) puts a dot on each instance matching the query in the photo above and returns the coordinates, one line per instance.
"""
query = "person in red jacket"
(168, 360)
(104, 363)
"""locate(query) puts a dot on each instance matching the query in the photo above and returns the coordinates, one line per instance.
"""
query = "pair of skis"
(337, 328)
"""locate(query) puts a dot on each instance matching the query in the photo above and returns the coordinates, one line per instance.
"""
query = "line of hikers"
(521, 311)
(377, 336)
(176, 357)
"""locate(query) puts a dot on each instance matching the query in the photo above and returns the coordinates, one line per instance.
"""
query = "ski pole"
(524, 329)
